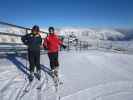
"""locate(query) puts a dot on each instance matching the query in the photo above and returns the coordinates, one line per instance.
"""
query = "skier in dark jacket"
(33, 41)
(52, 42)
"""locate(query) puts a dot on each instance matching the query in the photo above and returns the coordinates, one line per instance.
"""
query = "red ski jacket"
(52, 43)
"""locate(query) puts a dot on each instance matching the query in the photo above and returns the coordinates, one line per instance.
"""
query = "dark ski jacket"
(33, 41)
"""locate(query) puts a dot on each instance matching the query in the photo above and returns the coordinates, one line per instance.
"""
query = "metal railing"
(10, 38)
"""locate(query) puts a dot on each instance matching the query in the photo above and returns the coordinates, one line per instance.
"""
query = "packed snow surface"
(87, 75)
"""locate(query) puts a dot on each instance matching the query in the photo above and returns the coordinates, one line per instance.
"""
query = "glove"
(64, 46)
(45, 48)
(24, 40)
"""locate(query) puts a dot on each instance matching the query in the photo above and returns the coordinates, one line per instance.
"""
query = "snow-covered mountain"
(96, 33)
(127, 32)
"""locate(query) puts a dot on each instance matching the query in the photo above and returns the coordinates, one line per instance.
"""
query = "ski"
(39, 87)
(43, 82)
(30, 85)
(57, 87)
(26, 90)
(56, 82)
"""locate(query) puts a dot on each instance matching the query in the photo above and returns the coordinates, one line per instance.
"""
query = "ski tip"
(38, 88)
(26, 91)
(58, 98)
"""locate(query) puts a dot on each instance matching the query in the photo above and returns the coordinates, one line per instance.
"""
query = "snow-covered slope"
(87, 75)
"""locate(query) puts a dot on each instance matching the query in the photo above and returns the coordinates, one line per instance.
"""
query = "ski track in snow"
(115, 69)
(101, 90)
(6, 85)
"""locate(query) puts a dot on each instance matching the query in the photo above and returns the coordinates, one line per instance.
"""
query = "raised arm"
(25, 39)
(45, 43)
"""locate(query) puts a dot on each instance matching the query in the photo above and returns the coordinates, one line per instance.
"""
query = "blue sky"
(61, 13)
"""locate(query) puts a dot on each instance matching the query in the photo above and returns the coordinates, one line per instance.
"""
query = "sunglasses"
(51, 31)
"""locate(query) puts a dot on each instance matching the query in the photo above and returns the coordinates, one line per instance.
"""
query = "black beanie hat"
(51, 28)
(35, 27)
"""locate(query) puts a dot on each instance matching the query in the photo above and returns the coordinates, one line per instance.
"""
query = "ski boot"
(31, 77)
(55, 76)
(38, 75)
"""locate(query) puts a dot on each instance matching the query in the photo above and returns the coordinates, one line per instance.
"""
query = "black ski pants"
(53, 57)
(34, 60)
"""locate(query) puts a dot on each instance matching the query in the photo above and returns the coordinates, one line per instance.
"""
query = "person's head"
(51, 30)
(35, 29)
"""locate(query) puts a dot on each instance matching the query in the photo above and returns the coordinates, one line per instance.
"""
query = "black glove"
(45, 48)
(27, 39)
(24, 40)
(64, 46)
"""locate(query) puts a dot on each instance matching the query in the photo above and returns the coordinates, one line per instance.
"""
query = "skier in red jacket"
(53, 43)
